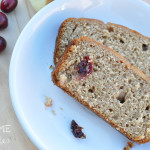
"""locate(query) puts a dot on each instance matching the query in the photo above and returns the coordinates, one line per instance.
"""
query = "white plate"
(30, 76)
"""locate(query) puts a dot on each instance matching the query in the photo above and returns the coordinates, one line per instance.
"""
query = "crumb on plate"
(53, 112)
(61, 108)
(51, 67)
(128, 146)
(48, 102)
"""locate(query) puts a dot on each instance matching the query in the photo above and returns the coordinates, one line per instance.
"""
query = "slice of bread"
(101, 79)
(130, 44)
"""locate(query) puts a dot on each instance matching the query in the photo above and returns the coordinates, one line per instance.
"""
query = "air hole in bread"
(110, 110)
(129, 81)
(97, 65)
(127, 125)
(121, 41)
(144, 47)
(144, 117)
(121, 97)
(111, 29)
(83, 84)
(90, 91)
(66, 45)
(141, 84)
(121, 87)
(147, 107)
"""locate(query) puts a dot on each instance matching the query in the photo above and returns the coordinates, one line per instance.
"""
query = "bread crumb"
(128, 146)
(61, 108)
(51, 67)
(53, 112)
(48, 102)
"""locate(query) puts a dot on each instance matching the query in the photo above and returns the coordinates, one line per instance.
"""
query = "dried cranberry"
(77, 130)
(3, 21)
(85, 67)
(2, 44)
(8, 5)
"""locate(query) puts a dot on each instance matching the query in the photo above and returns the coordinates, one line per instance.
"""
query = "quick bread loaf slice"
(130, 44)
(102, 80)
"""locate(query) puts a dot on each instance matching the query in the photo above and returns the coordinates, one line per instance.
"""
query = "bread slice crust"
(129, 66)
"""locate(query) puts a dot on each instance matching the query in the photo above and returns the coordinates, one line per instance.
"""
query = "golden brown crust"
(63, 59)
